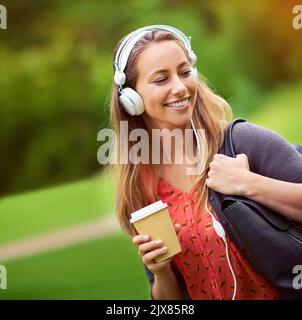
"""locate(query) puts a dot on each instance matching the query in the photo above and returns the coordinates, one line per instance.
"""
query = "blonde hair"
(211, 113)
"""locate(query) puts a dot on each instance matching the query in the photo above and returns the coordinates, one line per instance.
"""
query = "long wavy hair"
(211, 113)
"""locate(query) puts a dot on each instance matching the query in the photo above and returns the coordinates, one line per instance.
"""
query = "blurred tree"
(56, 71)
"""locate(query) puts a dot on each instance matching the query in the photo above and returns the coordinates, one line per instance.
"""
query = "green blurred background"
(55, 78)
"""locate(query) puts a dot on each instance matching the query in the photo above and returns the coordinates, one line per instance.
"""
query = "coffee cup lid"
(144, 212)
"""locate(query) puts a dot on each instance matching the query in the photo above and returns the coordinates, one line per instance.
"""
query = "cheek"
(193, 91)
(193, 86)
(154, 98)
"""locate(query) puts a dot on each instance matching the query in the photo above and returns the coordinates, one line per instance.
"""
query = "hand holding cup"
(149, 250)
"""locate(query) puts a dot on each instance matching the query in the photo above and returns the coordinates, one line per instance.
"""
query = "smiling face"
(166, 85)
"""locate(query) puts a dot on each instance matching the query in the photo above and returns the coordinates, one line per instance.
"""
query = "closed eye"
(160, 80)
(185, 73)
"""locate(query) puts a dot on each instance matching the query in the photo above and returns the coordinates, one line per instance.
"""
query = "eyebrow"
(165, 70)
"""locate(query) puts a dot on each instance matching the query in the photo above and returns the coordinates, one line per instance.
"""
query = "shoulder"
(254, 135)
(250, 137)
(244, 141)
(268, 152)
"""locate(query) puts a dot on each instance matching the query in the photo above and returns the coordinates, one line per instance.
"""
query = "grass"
(105, 269)
(57, 207)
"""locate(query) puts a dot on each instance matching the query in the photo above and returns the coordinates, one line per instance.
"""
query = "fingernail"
(163, 249)
(159, 241)
(145, 238)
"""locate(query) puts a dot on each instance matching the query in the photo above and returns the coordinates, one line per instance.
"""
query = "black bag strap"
(228, 147)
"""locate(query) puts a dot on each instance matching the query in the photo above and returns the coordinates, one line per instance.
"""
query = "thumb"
(244, 158)
(241, 156)
(177, 227)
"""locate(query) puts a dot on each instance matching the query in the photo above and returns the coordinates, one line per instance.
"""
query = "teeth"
(177, 104)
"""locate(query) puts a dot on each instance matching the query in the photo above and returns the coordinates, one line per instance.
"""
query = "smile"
(178, 104)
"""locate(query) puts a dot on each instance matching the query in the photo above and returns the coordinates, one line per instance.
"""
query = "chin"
(184, 122)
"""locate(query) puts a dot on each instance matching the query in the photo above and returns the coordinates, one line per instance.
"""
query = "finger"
(219, 156)
(209, 183)
(141, 238)
(149, 246)
(154, 266)
(244, 158)
(177, 227)
(150, 256)
(241, 156)
(210, 173)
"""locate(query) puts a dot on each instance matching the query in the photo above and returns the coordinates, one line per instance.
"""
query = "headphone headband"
(125, 48)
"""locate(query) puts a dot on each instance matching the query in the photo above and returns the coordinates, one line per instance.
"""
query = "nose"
(178, 87)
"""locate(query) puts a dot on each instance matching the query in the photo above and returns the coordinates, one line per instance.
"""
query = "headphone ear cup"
(132, 102)
(193, 58)
(194, 72)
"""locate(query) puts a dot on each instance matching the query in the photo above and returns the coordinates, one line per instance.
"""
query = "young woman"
(156, 87)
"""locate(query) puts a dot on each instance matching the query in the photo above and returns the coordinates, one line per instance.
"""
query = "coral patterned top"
(203, 262)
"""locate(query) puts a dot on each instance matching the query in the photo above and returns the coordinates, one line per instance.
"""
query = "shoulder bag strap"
(228, 147)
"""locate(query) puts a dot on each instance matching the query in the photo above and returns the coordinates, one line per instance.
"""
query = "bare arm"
(283, 197)
(231, 176)
(166, 285)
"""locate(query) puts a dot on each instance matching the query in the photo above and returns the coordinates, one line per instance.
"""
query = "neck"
(180, 150)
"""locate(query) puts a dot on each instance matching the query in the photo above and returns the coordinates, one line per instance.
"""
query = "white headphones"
(131, 101)
(221, 234)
